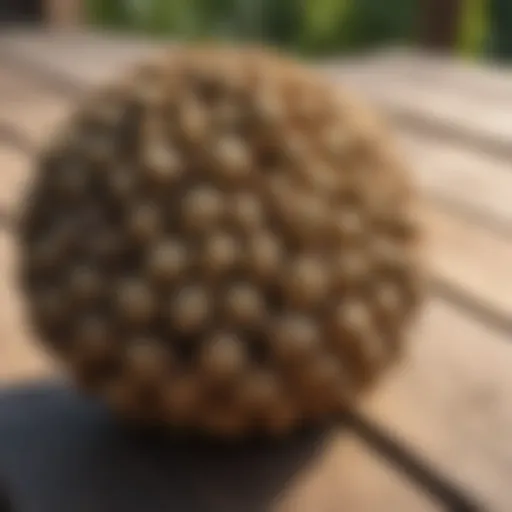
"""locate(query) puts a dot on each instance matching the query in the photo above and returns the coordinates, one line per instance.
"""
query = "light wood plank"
(453, 398)
(450, 171)
(13, 86)
(450, 399)
(20, 357)
(14, 175)
(426, 104)
(101, 56)
(395, 86)
(474, 260)
(467, 178)
(487, 84)
(431, 109)
(346, 473)
(36, 119)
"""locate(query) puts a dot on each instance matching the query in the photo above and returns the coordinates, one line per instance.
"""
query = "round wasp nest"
(222, 240)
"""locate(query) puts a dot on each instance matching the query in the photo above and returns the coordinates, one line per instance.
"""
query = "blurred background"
(473, 28)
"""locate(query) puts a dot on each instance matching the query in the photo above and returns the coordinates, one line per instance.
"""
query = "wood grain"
(15, 172)
(472, 182)
(485, 84)
(21, 358)
(429, 109)
(450, 399)
(408, 90)
(471, 258)
(36, 119)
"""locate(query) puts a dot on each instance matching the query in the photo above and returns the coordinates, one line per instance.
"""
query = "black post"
(439, 21)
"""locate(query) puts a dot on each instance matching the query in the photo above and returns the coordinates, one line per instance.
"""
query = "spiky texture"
(222, 240)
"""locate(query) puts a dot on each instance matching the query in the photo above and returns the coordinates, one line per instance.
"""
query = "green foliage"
(113, 13)
(500, 19)
(473, 28)
(369, 22)
(313, 26)
(322, 23)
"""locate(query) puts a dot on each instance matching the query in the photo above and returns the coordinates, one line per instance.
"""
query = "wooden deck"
(452, 398)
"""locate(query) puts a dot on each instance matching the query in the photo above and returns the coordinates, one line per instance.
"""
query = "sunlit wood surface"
(452, 396)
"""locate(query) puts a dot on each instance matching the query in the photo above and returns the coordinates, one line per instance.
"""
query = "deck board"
(473, 181)
(471, 258)
(489, 84)
(395, 83)
(452, 172)
(101, 56)
(35, 119)
(13, 86)
(451, 397)
(21, 358)
(15, 173)
(347, 472)
(451, 390)
(430, 108)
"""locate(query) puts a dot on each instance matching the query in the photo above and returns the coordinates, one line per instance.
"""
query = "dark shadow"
(61, 453)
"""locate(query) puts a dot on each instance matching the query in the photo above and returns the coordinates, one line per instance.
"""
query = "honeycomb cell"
(223, 356)
(191, 309)
(167, 261)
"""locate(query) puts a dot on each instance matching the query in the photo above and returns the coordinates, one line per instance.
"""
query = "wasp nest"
(221, 240)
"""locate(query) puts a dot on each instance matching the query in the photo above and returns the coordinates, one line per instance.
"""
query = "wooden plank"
(346, 472)
(35, 120)
(20, 359)
(472, 259)
(426, 103)
(13, 86)
(431, 109)
(26, 109)
(489, 83)
(427, 107)
(451, 399)
(101, 55)
(14, 174)
(450, 172)
(477, 183)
